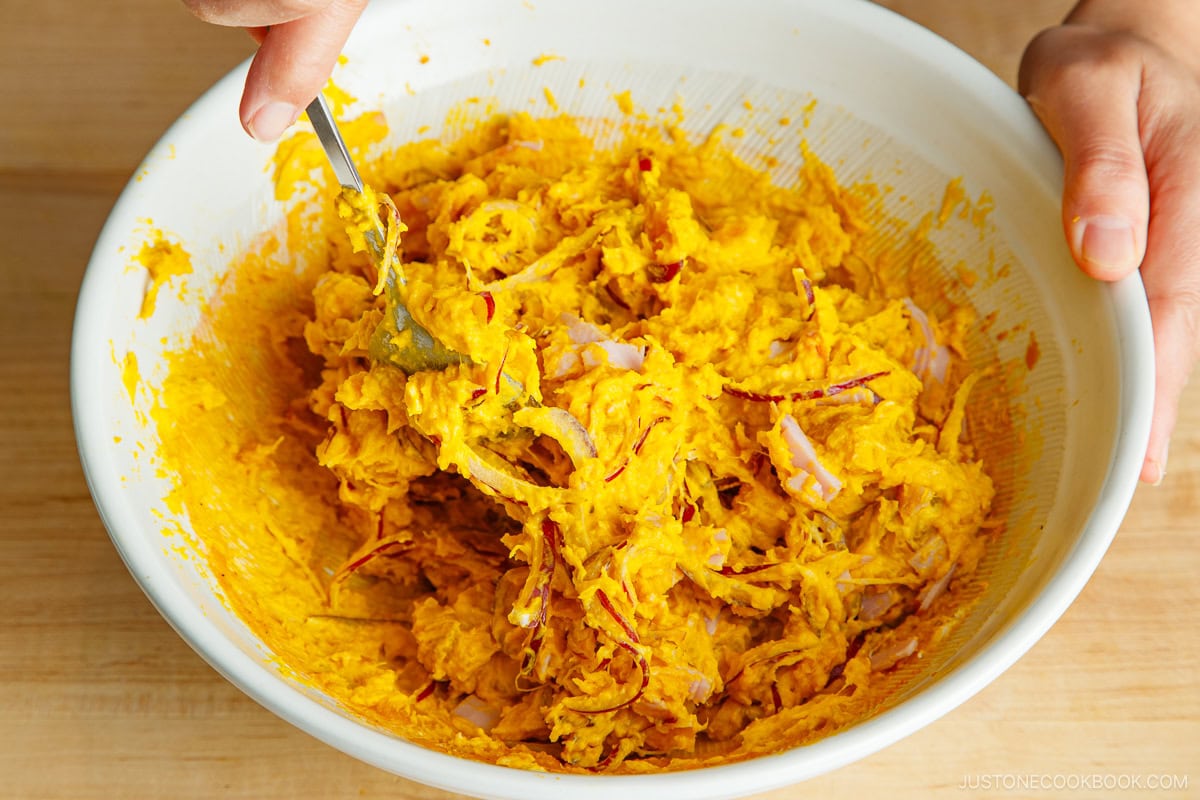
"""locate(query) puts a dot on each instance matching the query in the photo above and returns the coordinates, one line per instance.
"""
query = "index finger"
(292, 64)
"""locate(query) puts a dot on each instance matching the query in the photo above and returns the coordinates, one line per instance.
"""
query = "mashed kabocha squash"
(697, 488)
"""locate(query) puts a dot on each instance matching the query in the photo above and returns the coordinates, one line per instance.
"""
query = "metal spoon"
(402, 342)
(399, 340)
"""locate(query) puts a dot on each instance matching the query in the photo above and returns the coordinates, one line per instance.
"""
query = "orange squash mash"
(699, 485)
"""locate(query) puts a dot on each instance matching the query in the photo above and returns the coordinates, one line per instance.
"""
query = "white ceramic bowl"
(895, 103)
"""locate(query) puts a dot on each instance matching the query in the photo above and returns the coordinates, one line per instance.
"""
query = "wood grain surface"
(100, 699)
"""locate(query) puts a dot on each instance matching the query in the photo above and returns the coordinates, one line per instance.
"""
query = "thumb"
(293, 62)
(1089, 105)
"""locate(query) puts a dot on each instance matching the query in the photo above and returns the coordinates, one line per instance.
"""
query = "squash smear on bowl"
(700, 487)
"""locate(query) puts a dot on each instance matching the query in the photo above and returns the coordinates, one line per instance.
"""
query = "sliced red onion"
(717, 559)
(860, 395)
(663, 273)
(643, 667)
(805, 462)
(933, 551)
(542, 666)
(508, 485)
(842, 584)
(571, 434)
(620, 354)
(500, 205)
(630, 644)
(524, 619)
(489, 304)
(700, 687)
(825, 392)
(619, 618)
(933, 359)
(637, 446)
(892, 652)
(567, 363)
(538, 584)
(476, 712)
(798, 481)
(581, 332)
(747, 570)
(547, 263)
(939, 362)
(366, 554)
(935, 589)
(875, 603)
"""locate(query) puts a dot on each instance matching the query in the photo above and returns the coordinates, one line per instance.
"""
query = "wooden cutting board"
(100, 699)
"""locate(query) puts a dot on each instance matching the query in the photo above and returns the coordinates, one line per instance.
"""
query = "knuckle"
(204, 10)
(1038, 58)
(1042, 46)
(294, 9)
(1171, 125)
(253, 12)
(1109, 160)
(1059, 59)
(1118, 50)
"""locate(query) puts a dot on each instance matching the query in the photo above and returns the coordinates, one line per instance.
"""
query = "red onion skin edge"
(627, 646)
(664, 273)
(607, 605)
(371, 556)
(745, 570)
(637, 448)
(811, 394)
(500, 370)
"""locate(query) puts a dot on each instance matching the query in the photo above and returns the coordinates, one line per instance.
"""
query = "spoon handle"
(333, 144)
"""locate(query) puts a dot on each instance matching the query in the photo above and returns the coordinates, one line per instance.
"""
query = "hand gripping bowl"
(895, 103)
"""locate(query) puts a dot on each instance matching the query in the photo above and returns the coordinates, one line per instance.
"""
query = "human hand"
(1118, 88)
(299, 42)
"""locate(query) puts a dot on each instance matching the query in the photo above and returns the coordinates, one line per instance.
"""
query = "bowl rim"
(389, 752)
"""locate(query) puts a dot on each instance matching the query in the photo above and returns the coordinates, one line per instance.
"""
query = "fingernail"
(1162, 469)
(1107, 242)
(270, 121)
